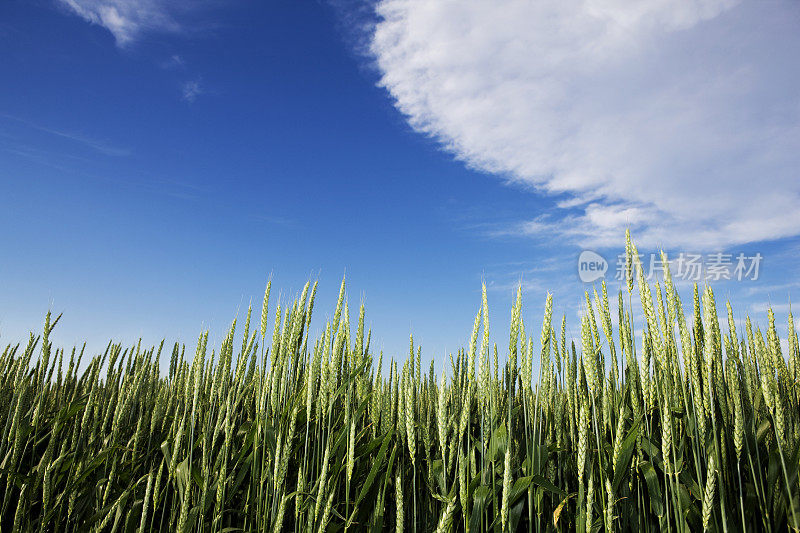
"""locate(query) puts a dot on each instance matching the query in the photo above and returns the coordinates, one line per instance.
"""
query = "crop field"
(692, 425)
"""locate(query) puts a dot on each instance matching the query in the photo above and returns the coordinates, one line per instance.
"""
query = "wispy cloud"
(191, 90)
(763, 307)
(779, 289)
(274, 220)
(94, 144)
(675, 118)
(126, 19)
(97, 145)
(175, 61)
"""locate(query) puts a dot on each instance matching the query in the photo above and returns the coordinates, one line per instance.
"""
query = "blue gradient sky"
(154, 172)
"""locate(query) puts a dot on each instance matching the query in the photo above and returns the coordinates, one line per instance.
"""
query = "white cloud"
(779, 289)
(679, 118)
(763, 307)
(191, 90)
(126, 19)
(174, 61)
(98, 145)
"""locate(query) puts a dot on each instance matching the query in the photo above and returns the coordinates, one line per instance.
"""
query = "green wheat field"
(691, 426)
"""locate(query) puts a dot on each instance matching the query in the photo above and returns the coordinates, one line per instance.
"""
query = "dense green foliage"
(689, 427)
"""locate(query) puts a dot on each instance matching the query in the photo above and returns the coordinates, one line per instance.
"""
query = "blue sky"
(160, 160)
